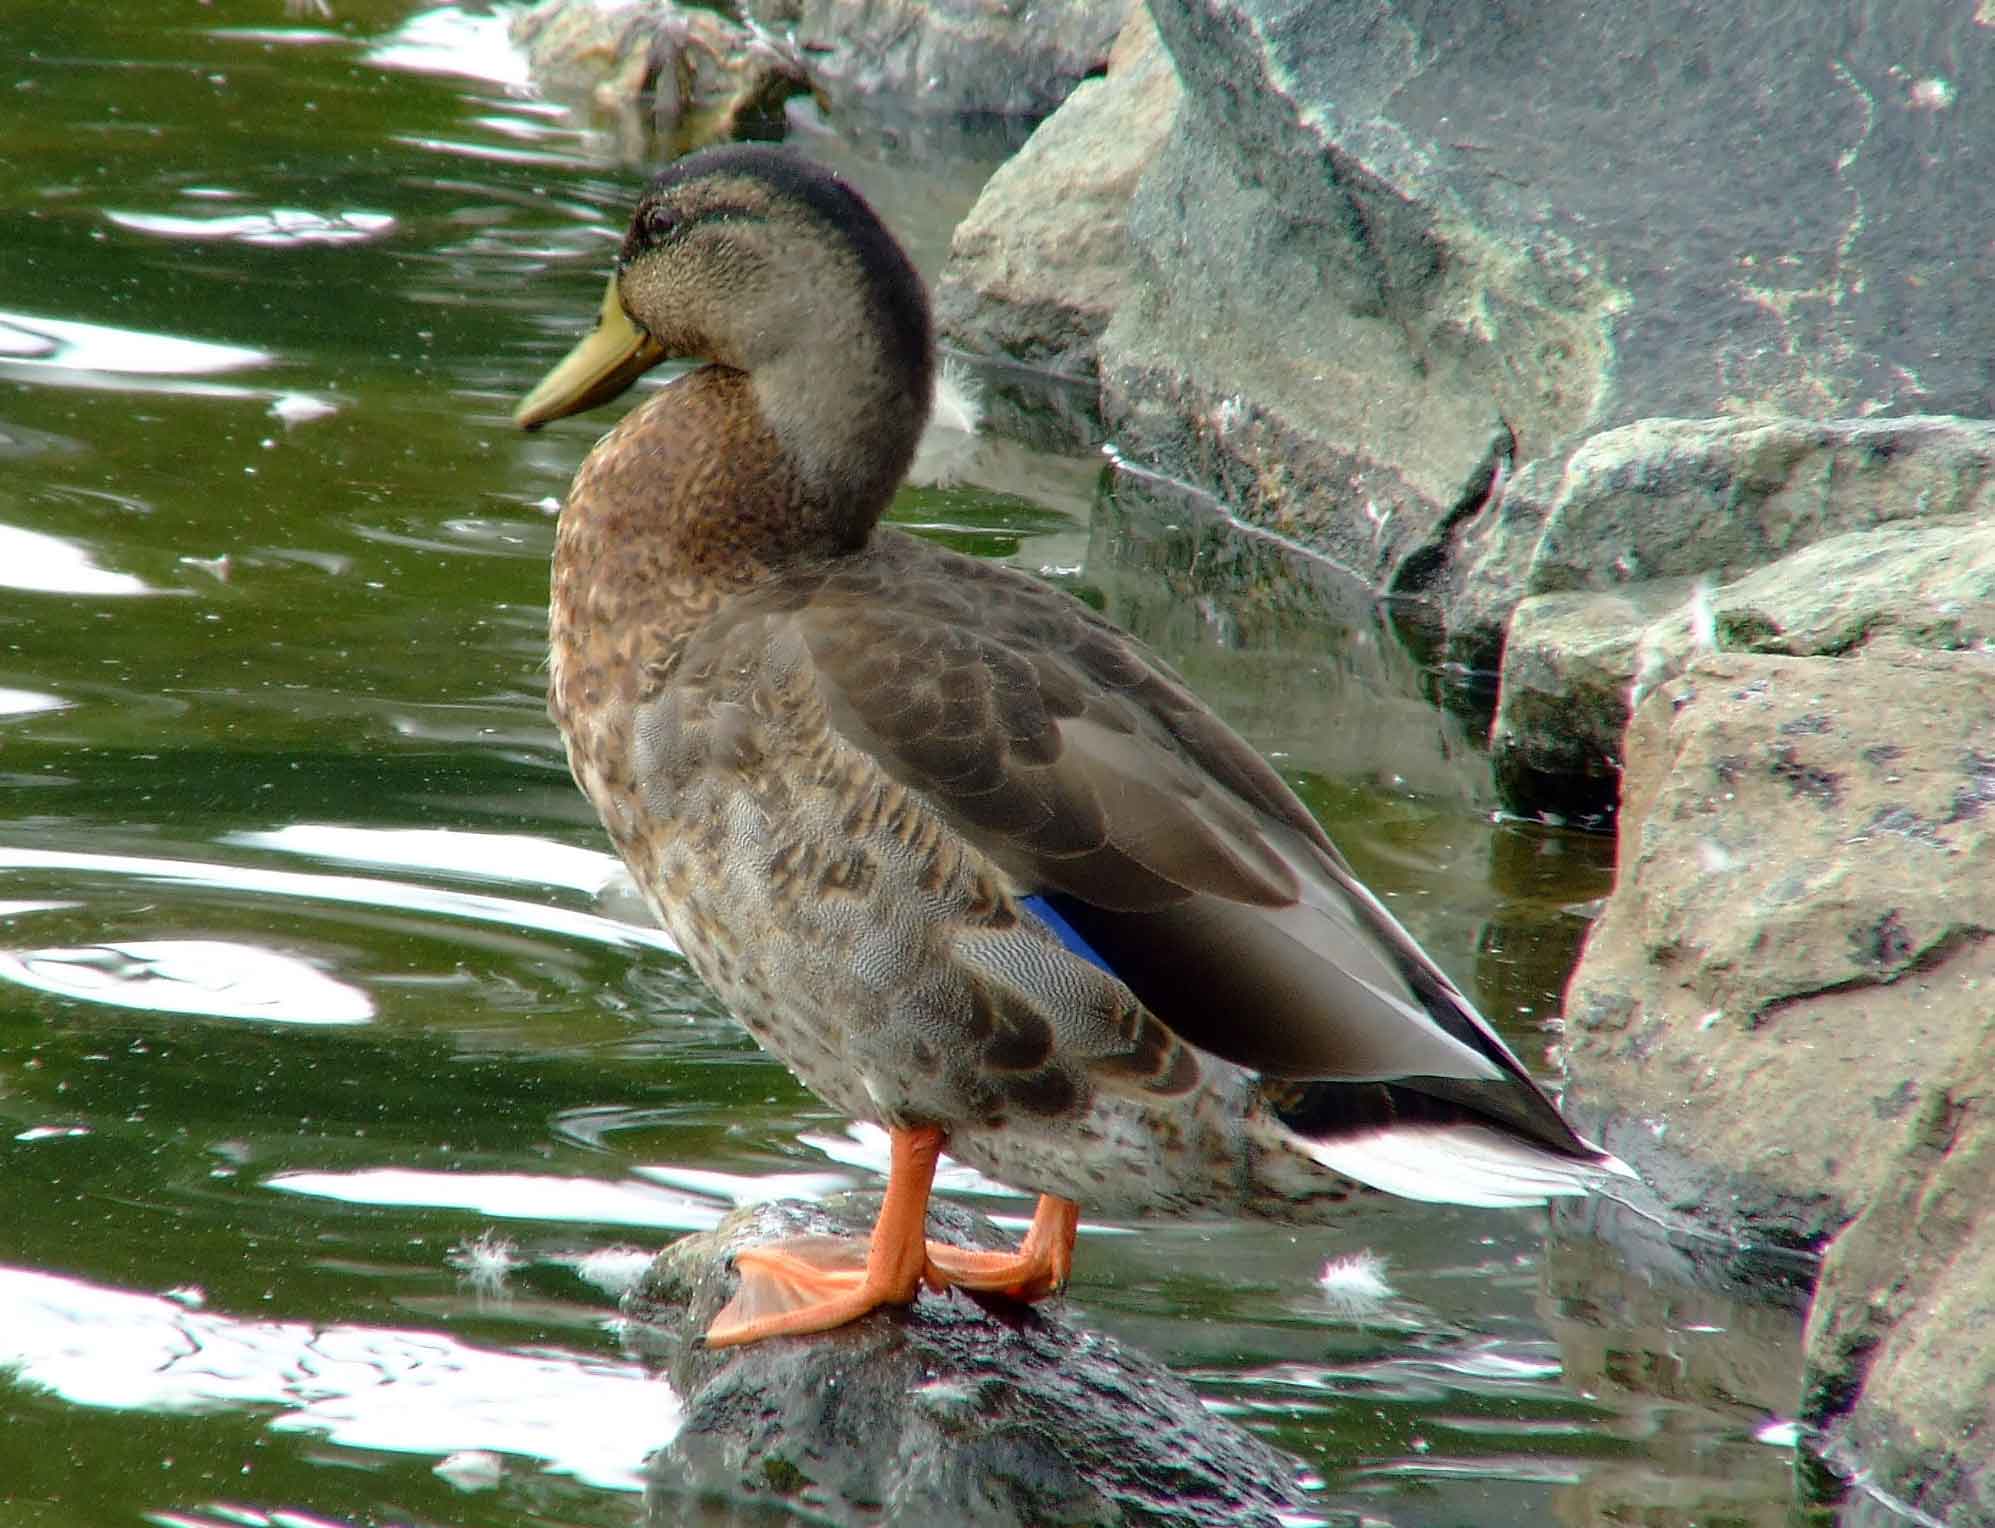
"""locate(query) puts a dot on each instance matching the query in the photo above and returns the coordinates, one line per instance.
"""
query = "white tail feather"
(1459, 1164)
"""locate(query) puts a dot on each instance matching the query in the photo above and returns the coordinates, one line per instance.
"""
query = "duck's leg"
(1038, 1268)
(815, 1283)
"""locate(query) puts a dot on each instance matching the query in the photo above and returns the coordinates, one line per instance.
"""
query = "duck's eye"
(660, 223)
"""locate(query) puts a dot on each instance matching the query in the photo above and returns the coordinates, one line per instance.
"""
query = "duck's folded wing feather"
(1090, 774)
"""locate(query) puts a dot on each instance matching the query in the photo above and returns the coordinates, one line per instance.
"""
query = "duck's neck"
(722, 478)
(847, 415)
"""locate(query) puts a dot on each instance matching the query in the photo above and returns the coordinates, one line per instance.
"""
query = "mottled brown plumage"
(971, 860)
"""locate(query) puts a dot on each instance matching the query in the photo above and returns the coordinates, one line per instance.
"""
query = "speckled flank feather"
(838, 759)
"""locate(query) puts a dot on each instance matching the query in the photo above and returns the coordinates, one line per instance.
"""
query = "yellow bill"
(614, 355)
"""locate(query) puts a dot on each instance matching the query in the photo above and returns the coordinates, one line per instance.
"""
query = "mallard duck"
(968, 858)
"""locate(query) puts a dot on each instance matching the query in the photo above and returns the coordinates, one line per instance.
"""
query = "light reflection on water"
(353, 890)
(28, 702)
(51, 565)
(280, 227)
(452, 42)
(511, 1196)
(218, 978)
(31, 340)
(379, 1389)
(510, 857)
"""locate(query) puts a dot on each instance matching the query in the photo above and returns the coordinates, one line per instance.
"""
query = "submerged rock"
(950, 1411)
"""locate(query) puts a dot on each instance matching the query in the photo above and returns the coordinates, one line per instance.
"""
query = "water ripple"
(29, 340)
(448, 40)
(360, 890)
(398, 1391)
(51, 565)
(281, 227)
(510, 1196)
(215, 977)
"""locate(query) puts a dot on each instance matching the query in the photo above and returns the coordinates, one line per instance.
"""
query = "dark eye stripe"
(661, 225)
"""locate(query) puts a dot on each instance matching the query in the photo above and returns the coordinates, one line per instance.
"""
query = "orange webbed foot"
(807, 1284)
(799, 1285)
(814, 1283)
(1040, 1267)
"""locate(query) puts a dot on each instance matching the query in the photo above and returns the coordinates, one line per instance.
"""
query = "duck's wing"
(1088, 771)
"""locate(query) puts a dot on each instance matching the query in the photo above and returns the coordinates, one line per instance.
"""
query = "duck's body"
(972, 861)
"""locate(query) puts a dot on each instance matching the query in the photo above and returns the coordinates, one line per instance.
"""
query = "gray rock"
(1562, 702)
(1573, 662)
(1783, 1014)
(1265, 350)
(1017, 58)
(1669, 498)
(1798, 916)
(948, 1412)
(1042, 261)
(1901, 1342)
(1041, 410)
(1386, 245)
(1928, 583)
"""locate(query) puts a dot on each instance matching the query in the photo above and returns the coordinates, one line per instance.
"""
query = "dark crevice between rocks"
(1584, 794)
(1838, 1386)
(1465, 672)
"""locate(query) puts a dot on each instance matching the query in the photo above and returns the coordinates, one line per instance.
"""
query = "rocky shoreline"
(1646, 354)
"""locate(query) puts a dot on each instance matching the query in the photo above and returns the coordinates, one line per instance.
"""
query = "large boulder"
(1385, 249)
(1803, 897)
(1901, 1340)
(1783, 1013)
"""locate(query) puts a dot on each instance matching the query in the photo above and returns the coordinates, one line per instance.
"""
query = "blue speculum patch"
(1064, 931)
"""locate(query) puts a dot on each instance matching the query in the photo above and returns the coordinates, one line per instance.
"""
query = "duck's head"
(750, 259)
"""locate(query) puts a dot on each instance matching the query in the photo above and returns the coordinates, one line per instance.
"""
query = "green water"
(310, 986)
